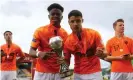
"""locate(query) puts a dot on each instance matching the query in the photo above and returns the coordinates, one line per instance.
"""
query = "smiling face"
(55, 16)
(75, 23)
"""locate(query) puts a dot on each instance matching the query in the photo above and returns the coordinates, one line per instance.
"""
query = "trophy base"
(66, 74)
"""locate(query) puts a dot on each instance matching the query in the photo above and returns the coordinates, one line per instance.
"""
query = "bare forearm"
(67, 56)
(67, 61)
(32, 53)
(131, 56)
(2, 53)
(113, 58)
(102, 56)
(20, 59)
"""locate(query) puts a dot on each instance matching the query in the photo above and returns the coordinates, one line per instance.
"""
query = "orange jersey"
(41, 42)
(90, 40)
(8, 62)
(117, 47)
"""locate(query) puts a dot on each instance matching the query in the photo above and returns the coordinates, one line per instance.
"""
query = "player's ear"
(49, 17)
(61, 17)
(68, 21)
(114, 27)
(82, 20)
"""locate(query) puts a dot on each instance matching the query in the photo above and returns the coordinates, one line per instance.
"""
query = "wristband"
(37, 54)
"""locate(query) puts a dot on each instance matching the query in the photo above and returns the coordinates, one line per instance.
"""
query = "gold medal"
(7, 56)
(121, 50)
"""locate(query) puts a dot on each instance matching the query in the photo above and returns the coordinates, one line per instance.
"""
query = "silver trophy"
(56, 44)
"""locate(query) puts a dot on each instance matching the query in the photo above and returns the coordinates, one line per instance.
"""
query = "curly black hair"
(55, 5)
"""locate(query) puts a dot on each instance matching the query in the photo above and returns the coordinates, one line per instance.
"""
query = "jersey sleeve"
(108, 47)
(99, 41)
(35, 40)
(132, 46)
(20, 52)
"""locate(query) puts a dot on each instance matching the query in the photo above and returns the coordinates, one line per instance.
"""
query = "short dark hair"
(74, 13)
(118, 20)
(6, 32)
(55, 5)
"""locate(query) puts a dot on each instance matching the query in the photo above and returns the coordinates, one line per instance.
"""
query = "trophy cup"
(56, 45)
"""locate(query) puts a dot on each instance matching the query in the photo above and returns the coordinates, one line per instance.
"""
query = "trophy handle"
(64, 68)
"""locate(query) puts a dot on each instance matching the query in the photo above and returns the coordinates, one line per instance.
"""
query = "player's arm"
(100, 50)
(2, 53)
(67, 53)
(67, 57)
(113, 58)
(121, 57)
(62, 60)
(36, 41)
(20, 54)
(131, 56)
(33, 52)
(108, 52)
(20, 59)
(116, 58)
(39, 54)
(35, 44)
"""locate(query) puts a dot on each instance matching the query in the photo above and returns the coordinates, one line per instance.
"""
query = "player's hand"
(60, 60)
(125, 57)
(2, 53)
(90, 52)
(100, 53)
(44, 55)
